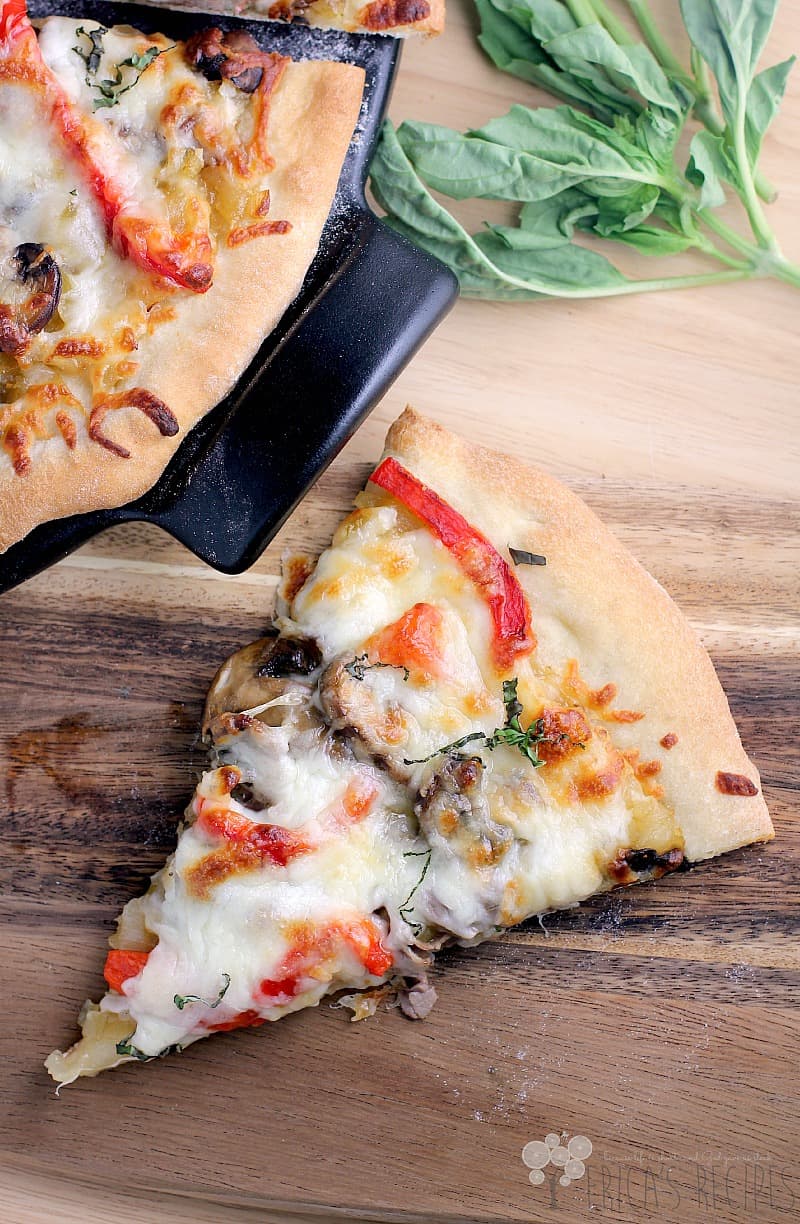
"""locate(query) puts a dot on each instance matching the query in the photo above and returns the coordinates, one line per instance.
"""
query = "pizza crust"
(192, 361)
(593, 602)
(328, 15)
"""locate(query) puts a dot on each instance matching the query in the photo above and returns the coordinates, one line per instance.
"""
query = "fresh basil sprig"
(512, 733)
(608, 164)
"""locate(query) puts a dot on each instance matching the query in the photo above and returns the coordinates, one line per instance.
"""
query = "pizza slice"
(396, 17)
(160, 203)
(475, 707)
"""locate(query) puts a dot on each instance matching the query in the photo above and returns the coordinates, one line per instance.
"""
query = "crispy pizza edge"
(627, 628)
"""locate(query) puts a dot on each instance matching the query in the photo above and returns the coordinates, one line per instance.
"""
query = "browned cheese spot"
(599, 783)
(566, 731)
(80, 346)
(153, 408)
(386, 14)
(598, 699)
(67, 428)
(296, 570)
(735, 784)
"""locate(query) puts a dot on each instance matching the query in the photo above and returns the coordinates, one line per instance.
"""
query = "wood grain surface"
(661, 1021)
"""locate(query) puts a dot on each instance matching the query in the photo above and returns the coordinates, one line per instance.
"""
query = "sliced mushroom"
(353, 707)
(453, 809)
(260, 673)
(34, 268)
(233, 56)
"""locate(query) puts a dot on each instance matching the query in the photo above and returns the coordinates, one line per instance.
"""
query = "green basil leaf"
(554, 271)
(551, 223)
(763, 101)
(465, 166)
(651, 240)
(550, 19)
(415, 214)
(631, 68)
(622, 213)
(730, 35)
(708, 166)
(512, 49)
(561, 148)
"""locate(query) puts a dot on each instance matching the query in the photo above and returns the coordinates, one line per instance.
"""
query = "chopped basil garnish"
(404, 910)
(521, 556)
(180, 1001)
(359, 665)
(131, 1051)
(511, 733)
(91, 58)
(111, 91)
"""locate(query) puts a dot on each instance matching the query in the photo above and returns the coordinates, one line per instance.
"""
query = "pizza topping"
(352, 706)
(453, 809)
(521, 556)
(232, 56)
(180, 1000)
(476, 555)
(630, 866)
(153, 408)
(417, 1001)
(387, 14)
(291, 656)
(35, 269)
(315, 953)
(669, 740)
(285, 10)
(562, 732)
(110, 91)
(360, 665)
(414, 643)
(735, 784)
(245, 1019)
(512, 734)
(122, 964)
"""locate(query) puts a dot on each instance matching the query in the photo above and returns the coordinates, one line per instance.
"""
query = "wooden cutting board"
(659, 1022)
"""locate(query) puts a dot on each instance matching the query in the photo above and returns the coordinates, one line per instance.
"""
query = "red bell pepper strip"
(122, 964)
(266, 843)
(183, 259)
(478, 558)
(313, 946)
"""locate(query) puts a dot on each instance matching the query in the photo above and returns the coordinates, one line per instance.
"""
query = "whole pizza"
(160, 203)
